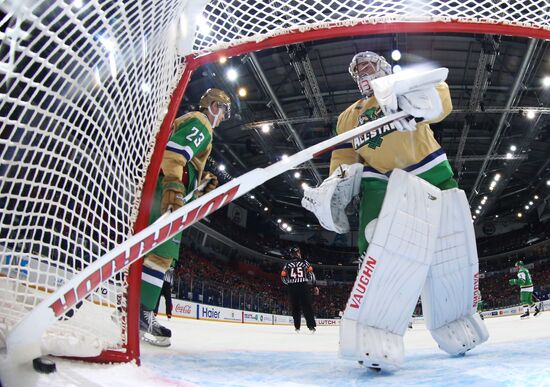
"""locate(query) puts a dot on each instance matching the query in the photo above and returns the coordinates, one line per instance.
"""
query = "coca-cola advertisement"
(185, 309)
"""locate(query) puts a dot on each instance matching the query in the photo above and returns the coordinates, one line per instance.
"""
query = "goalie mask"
(221, 99)
(367, 66)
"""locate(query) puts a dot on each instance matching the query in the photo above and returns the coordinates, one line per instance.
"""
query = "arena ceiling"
(499, 129)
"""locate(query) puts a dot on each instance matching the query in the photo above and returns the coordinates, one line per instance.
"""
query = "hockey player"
(525, 283)
(182, 170)
(421, 239)
(298, 276)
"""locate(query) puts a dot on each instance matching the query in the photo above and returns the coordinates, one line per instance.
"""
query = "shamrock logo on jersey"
(368, 115)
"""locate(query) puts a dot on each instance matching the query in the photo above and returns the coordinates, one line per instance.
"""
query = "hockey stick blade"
(23, 342)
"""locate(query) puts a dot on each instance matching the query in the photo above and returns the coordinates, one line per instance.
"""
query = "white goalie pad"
(411, 91)
(392, 274)
(450, 295)
(329, 200)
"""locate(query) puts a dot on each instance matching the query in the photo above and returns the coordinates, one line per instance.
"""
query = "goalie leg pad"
(450, 294)
(375, 347)
(393, 272)
(459, 336)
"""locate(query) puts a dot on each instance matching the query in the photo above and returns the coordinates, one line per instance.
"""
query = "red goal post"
(89, 93)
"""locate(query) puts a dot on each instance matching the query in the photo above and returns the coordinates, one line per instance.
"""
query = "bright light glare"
(396, 55)
(279, 220)
(284, 225)
(221, 167)
(509, 156)
(204, 28)
(305, 185)
(297, 175)
(397, 69)
(223, 59)
(477, 211)
(284, 157)
(242, 92)
(146, 87)
(266, 209)
(546, 81)
(266, 128)
(513, 148)
(77, 3)
(232, 74)
(497, 177)
(289, 229)
(520, 214)
(530, 114)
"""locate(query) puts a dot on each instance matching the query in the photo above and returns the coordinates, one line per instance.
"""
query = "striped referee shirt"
(297, 271)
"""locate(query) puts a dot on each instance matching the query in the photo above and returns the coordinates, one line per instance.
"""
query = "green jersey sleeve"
(190, 138)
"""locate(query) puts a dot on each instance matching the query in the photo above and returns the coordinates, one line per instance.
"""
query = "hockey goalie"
(415, 232)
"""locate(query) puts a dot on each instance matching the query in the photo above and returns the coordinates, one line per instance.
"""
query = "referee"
(298, 275)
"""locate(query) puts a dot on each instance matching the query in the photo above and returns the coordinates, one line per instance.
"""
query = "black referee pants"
(300, 301)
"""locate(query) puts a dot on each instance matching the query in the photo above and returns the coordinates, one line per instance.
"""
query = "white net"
(84, 87)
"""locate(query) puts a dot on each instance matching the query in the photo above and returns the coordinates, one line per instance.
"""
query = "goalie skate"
(152, 332)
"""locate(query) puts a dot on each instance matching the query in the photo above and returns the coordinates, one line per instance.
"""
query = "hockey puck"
(44, 365)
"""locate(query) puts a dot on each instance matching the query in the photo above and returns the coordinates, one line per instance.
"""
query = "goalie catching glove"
(412, 92)
(329, 200)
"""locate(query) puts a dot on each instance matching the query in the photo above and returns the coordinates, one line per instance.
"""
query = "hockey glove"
(173, 193)
(212, 183)
(513, 281)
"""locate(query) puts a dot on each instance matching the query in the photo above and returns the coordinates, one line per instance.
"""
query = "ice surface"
(226, 354)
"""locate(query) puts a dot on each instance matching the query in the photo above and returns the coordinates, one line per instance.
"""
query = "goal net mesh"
(85, 86)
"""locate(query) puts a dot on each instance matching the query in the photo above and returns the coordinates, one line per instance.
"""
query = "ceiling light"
(496, 216)
(289, 229)
(308, 225)
(477, 211)
(242, 92)
(396, 55)
(547, 182)
(479, 207)
(530, 203)
(509, 156)
(513, 148)
(536, 197)
(530, 114)
(305, 185)
(297, 175)
(284, 225)
(266, 128)
(221, 167)
(526, 207)
(546, 81)
(223, 59)
(497, 177)
(284, 157)
(520, 214)
(485, 198)
(279, 220)
(232, 74)
(252, 197)
(474, 216)
(266, 209)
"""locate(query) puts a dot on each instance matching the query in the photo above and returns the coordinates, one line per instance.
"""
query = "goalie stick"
(23, 342)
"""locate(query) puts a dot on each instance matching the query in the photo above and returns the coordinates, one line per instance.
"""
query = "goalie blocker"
(422, 241)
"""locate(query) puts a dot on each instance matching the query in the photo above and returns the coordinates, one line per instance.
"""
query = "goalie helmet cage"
(89, 93)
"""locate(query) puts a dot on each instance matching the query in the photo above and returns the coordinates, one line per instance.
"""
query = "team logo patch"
(374, 138)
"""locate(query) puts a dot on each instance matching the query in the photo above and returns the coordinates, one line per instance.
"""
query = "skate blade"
(156, 341)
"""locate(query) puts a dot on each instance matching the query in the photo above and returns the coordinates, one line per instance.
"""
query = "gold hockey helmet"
(218, 96)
